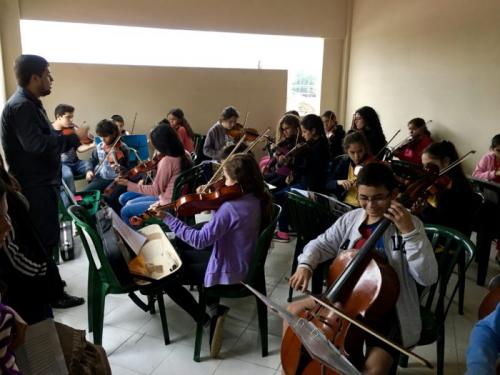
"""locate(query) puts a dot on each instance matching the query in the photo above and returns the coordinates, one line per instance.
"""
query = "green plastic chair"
(102, 279)
(452, 249)
(255, 278)
(309, 219)
(198, 155)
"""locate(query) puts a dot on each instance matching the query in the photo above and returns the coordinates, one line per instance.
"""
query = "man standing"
(33, 152)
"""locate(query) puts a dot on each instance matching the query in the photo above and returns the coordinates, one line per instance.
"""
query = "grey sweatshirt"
(411, 255)
(216, 140)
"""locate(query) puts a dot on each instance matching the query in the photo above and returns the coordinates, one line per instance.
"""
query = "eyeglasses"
(377, 199)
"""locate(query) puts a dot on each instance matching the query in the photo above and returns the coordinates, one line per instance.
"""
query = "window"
(67, 42)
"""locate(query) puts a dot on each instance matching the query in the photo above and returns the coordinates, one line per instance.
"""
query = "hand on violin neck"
(401, 217)
(346, 184)
(89, 176)
(155, 210)
(121, 181)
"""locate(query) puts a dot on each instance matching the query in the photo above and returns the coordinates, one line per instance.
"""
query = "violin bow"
(215, 175)
(387, 144)
(456, 162)
(101, 163)
(256, 140)
(369, 330)
(133, 124)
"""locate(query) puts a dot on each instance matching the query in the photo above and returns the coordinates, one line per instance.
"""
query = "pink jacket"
(485, 169)
(163, 185)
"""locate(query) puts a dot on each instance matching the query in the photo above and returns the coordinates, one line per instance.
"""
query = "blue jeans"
(79, 167)
(69, 170)
(127, 196)
(280, 198)
(137, 206)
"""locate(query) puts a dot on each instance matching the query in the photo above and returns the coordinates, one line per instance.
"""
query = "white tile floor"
(134, 342)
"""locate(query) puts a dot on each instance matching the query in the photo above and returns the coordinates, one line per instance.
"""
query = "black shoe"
(66, 301)
(216, 328)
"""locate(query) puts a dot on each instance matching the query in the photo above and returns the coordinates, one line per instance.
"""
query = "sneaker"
(216, 328)
(66, 301)
(281, 237)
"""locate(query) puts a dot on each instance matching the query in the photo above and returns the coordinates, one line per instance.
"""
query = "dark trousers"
(194, 265)
(44, 213)
(101, 184)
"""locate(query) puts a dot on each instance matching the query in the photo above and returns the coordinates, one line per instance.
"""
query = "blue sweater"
(484, 345)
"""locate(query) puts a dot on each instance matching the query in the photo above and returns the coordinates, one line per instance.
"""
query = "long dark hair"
(244, 169)
(311, 122)
(165, 140)
(179, 114)
(372, 130)
(446, 150)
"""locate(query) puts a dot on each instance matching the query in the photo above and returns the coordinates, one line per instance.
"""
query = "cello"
(361, 285)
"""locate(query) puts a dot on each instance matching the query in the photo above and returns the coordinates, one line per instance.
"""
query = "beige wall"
(320, 18)
(437, 59)
(10, 40)
(99, 91)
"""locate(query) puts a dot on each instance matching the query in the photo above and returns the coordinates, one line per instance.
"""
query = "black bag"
(116, 251)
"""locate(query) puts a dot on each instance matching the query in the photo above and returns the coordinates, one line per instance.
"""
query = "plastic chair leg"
(461, 283)
(440, 350)
(98, 312)
(403, 361)
(90, 299)
(483, 246)
(163, 318)
(297, 251)
(199, 325)
(262, 315)
(151, 304)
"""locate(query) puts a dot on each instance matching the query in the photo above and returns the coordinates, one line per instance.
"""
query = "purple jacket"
(233, 232)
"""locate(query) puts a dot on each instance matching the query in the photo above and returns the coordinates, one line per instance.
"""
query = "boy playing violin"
(107, 162)
(71, 164)
(404, 245)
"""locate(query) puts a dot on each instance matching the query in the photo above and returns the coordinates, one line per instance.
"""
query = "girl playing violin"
(217, 137)
(277, 170)
(334, 133)
(343, 180)
(177, 120)
(404, 246)
(419, 139)
(219, 253)
(367, 122)
(453, 205)
(308, 168)
(488, 169)
(107, 162)
(173, 161)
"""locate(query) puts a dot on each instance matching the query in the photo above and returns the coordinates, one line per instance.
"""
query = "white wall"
(437, 59)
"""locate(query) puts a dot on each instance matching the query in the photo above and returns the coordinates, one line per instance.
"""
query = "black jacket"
(31, 276)
(31, 146)
(310, 167)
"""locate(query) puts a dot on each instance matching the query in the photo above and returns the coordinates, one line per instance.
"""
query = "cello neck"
(334, 291)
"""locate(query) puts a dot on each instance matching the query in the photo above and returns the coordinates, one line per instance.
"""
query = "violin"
(87, 140)
(295, 151)
(238, 131)
(145, 166)
(192, 204)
